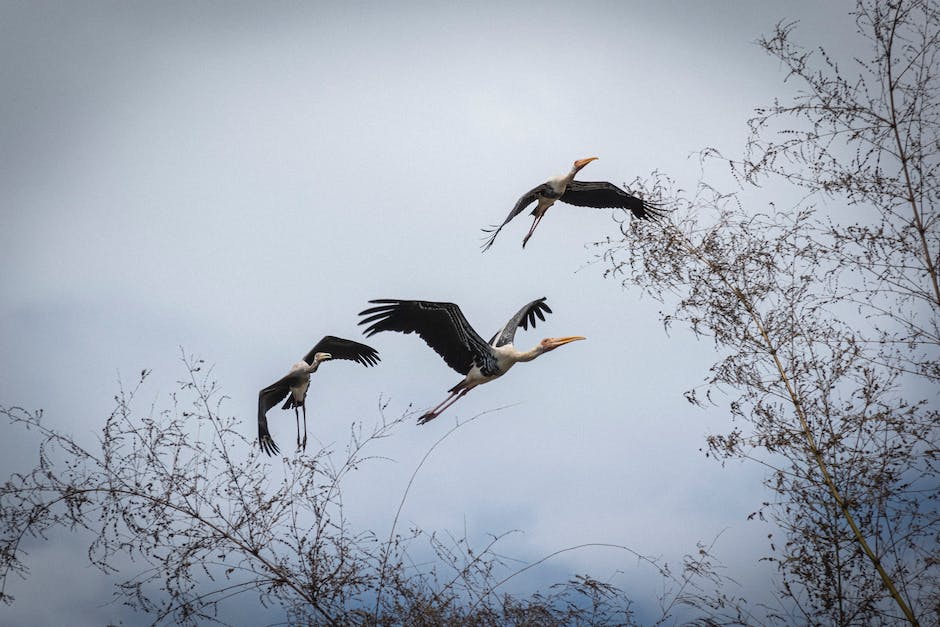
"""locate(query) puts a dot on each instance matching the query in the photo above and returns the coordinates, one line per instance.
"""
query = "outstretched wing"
(344, 349)
(601, 194)
(527, 199)
(268, 398)
(523, 318)
(442, 326)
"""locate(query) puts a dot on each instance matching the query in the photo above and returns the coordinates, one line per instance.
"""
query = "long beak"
(555, 342)
(580, 163)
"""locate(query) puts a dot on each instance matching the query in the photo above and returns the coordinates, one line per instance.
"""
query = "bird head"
(321, 357)
(580, 163)
(551, 343)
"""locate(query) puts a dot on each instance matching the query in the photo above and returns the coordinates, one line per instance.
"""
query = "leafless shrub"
(186, 496)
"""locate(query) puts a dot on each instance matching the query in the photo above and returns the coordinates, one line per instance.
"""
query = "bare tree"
(184, 494)
(829, 328)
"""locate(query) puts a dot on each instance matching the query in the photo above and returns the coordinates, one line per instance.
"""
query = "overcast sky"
(240, 179)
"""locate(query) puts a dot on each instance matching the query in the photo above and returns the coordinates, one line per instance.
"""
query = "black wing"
(442, 326)
(601, 194)
(527, 199)
(268, 398)
(344, 349)
(523, 318)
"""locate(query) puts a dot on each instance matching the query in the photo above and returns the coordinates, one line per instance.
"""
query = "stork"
(598, 194)
(295, 383)
(444, 328)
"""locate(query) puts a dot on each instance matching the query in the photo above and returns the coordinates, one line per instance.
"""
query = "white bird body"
(560, 182)
(505, 359)
(556, 186)
(507, 356)
(300, 374)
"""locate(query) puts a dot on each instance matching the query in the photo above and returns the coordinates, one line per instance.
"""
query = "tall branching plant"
(829, 327)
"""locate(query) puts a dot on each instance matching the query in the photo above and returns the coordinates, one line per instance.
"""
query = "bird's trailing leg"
(303, 446)
(431, 414)
(437, 411)
(535, 223)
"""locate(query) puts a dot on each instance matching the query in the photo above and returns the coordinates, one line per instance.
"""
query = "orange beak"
(580, 163)
(555, 342)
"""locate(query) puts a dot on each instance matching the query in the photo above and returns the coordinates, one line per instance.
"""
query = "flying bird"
(294, 384)
(598, 194)
(444, 328)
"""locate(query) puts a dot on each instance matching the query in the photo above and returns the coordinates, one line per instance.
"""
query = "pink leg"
(535, 223)
(433, 412)
(437, 411)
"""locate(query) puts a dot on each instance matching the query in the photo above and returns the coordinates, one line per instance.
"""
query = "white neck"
(530, 354)
(316, 364)
(562, 181)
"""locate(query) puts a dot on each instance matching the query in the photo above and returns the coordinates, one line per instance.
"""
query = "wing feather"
(524, 318)
(442, 326)
(527, 199)
(602, 194)
(344, 349)
(268, 398)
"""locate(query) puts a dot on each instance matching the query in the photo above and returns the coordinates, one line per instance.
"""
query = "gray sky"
(240, 179)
